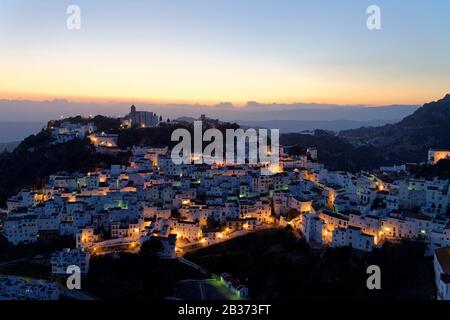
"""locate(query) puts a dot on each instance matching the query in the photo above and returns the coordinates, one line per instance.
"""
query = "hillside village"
(186, 207)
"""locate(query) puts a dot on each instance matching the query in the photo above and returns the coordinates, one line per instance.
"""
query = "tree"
(175, 213)
(292, 214)
(212, 223)
(151, 247)
(160, 119)
(297, 150)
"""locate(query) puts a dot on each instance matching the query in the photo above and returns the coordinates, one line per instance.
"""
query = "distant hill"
(21, 110)
(288, 126)
(334, 152)
(185, 119)
(9, 146)
(410, 139)
(316, 113)
(18, 130)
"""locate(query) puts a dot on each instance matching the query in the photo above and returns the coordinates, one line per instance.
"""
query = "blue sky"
(226, 50)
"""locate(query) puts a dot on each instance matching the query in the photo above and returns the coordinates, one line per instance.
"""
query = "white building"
(168, 246)
(312, 153)
(104, 140)
(260, 210)
(15, 288)
(442, 273)
(393, 169)
(312, 228)
(187, 230)
(234, 285)
(144, 119)
(436, 198)
(300, 204)
(352, 237)
(24, 199)
(126, 229)
(61, 260)
(434, 156)
(70, 131)
(21, 228)
(368, 224)
(86, 238)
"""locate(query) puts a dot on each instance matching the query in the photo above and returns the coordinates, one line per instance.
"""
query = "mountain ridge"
(408, 140)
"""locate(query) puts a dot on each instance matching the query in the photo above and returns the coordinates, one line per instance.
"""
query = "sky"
(204, 51)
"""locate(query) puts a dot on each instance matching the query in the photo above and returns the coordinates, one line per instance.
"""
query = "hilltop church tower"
(140, 119)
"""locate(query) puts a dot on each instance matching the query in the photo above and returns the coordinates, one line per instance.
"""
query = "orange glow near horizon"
(408, 100)
(103, 80)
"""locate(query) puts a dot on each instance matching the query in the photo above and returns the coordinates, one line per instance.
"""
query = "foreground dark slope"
(410, 139)
(274, 264)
